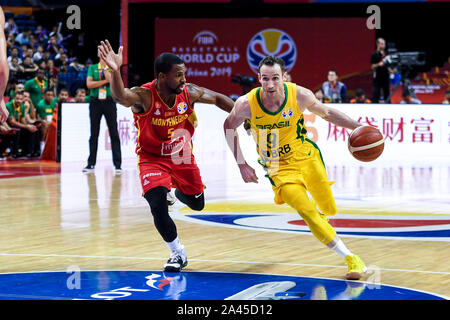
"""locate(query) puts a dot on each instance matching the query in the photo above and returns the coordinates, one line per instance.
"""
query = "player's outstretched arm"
(307, 100)
(200, 94)
(136, 98)
(237, 116)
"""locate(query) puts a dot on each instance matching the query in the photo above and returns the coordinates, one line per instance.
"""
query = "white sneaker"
(177, 261)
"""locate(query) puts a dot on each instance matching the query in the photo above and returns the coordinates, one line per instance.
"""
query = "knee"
(329, 208)
(157, 199)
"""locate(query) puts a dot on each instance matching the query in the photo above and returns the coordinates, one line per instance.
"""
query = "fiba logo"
(273, 42)
(205, 37)
(182, 107)
(287, 114)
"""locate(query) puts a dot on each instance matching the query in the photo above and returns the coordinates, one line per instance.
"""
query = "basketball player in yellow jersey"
(293, 162)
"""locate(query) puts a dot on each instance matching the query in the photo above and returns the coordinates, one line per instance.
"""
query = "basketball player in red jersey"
(164, 117)
(4, 68)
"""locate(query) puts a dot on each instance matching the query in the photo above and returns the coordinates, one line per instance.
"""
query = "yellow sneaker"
(356, 267)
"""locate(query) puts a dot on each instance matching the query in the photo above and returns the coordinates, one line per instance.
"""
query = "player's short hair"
(272, 60)
(165, 61)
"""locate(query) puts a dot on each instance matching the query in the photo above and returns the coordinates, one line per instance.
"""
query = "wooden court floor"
(61, 217)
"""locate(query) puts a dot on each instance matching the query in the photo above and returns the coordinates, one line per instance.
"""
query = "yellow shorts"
(304, 167)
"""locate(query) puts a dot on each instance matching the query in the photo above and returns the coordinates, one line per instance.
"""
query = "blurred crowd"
(42, 74)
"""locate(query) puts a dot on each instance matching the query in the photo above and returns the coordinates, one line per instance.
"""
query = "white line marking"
(213, 261)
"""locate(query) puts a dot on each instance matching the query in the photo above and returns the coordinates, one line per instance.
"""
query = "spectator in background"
(51, 69)
(447, 97)
(380, 72)
(63, 96)
(56, 32)
(75, 66)
(80, 96)
(360, 97)
(53, 47)
(30, 109)
(14, 53)
(23, 51)
(15, 69)
(39, 54)
(41, 34)
(46, 56)
(11, 26)
(37, 86)
(19, 87)
(333, 90)
(319, 95)
(24, 37)
(62, 64)
(408, 98)
(44, 112)
(26, 140)
(29, 67)
(10, 42)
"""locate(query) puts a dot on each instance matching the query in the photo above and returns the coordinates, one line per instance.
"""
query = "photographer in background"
(380, 72)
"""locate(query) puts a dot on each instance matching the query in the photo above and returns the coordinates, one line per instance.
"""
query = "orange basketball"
(366, 143)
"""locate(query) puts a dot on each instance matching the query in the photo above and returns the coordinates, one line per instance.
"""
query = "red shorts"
(157, 171)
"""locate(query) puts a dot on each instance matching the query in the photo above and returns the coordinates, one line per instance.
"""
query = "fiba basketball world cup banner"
(216, 49)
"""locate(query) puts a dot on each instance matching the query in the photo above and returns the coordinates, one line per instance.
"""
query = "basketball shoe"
(89, 168)
(356, 267)
(177, 261)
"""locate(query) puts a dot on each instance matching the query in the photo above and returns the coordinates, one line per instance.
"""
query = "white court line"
(214, 261)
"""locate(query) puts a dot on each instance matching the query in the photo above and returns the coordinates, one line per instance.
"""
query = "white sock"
(42, 146)
(175, 245)
(339, 247)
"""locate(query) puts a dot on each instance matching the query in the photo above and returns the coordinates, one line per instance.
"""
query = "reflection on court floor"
(156, 285)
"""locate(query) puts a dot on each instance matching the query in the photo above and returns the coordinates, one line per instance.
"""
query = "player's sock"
(175, 245)
(338, 246)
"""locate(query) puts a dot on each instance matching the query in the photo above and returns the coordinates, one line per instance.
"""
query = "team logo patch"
(287, 114)
(182, 107)
(271, 42)
(189, 285)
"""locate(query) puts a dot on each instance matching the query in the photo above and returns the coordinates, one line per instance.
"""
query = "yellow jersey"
(280, 133)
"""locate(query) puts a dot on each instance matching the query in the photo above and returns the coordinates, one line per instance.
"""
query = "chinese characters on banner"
(409, 132)
(392, 129)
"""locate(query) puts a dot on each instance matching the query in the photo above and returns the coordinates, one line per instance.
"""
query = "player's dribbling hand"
(106, 53)
(248, 173)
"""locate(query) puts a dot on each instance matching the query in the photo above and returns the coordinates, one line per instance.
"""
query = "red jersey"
(165, 130)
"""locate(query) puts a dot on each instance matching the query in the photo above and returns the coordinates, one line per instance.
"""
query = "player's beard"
(178, 89)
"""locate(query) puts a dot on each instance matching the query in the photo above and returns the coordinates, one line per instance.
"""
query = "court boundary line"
(215, 261)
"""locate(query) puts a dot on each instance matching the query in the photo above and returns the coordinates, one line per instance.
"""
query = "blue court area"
(156, 285)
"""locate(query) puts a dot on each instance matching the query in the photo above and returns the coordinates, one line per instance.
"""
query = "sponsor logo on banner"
(273, 42)
(207, 57)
